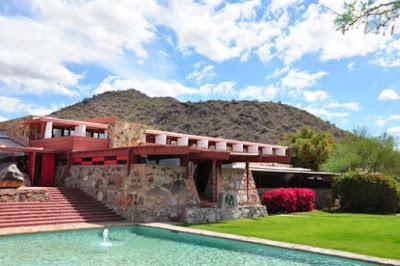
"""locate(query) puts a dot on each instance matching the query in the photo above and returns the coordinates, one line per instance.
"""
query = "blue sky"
(55, 53)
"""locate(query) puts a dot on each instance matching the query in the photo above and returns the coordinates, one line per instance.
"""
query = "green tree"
(374, 15)
(361, 152)
(310, 148)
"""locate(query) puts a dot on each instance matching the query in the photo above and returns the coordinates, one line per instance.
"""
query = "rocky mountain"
(243, 120)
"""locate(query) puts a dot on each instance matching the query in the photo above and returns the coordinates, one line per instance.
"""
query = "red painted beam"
(214, 180)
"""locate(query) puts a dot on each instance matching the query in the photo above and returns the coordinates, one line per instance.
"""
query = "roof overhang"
(66, 122)
(20, 149)
(289, 170)
(210, 139)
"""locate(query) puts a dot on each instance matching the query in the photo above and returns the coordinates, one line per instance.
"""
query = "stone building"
(141, 173)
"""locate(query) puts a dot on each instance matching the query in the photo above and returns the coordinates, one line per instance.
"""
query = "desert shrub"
(363, 192)
(286, 200)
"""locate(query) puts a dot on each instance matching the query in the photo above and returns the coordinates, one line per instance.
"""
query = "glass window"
(56, 132)
(170, 161)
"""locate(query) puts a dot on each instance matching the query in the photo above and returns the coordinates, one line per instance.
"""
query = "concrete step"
(63, 206)
(59, 221)
(39, 213)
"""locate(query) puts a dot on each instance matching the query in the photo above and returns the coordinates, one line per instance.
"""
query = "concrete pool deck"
(58, 227)
(178, 228)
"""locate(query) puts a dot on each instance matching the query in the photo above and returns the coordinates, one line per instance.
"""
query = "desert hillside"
(242, 120)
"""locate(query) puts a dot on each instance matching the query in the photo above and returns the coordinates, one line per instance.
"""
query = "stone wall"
(234, 179)
(60, 175)
(149, 193)
(234, 200)
(212, 215)
(123, 134)
(163, 193)
(16, 129)
(23, 194)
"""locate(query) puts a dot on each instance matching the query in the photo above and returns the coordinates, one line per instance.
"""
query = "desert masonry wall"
(149, 193)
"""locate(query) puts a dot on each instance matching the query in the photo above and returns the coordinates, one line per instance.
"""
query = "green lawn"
(374, 235)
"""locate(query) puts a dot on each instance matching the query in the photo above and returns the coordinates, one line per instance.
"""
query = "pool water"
(138, 245)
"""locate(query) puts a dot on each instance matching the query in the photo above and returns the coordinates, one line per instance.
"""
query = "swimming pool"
(139, 245)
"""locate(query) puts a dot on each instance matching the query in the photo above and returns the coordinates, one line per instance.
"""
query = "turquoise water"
(136, 245)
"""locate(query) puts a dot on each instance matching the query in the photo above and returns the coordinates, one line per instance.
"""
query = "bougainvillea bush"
(286, 200)
(305, 199)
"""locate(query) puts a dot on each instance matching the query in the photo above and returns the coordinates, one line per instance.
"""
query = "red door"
(47, 170)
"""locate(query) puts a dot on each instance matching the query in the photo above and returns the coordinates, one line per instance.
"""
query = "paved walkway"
(57, 227)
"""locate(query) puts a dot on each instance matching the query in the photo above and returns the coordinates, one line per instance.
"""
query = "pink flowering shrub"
(286, 200)
(305, 199)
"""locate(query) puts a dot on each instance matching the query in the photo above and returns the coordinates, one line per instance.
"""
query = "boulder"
(11, 173)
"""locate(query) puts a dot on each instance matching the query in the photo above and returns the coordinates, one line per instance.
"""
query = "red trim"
(97, 159)
(193, 154)
(20, 149)
(122, 158)
(111, 162)
(31, 166)
(214, 180)
(47, 170)
(75, 143)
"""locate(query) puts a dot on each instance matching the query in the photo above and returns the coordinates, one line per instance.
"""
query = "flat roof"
(66, 122)
(198, 137)
(281, 169)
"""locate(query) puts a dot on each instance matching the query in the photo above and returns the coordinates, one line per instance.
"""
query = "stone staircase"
(66, 205)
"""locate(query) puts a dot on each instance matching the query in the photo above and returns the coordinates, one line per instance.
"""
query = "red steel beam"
(214, 180)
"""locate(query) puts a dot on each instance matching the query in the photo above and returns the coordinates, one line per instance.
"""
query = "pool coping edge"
(299, 247)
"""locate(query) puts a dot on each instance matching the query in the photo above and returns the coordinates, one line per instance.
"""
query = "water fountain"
(106, 238)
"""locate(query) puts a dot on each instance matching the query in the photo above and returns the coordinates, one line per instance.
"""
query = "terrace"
(62, 134)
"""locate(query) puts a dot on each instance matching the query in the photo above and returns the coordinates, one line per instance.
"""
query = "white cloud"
(258, 93)
(151, 87)
(222, 88)
(394, 131)
(314, 96)
(34, 51)
(205, 73)
(321, 112)
(351, 106)
(389, 95)
(14, 105)
(2, 118)
(297, 79)
(389, 55)
(220, 30)
(281, 4)
(315, 33)
(350, 66)
(383, 120)
(395, 117)
(380, 122)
